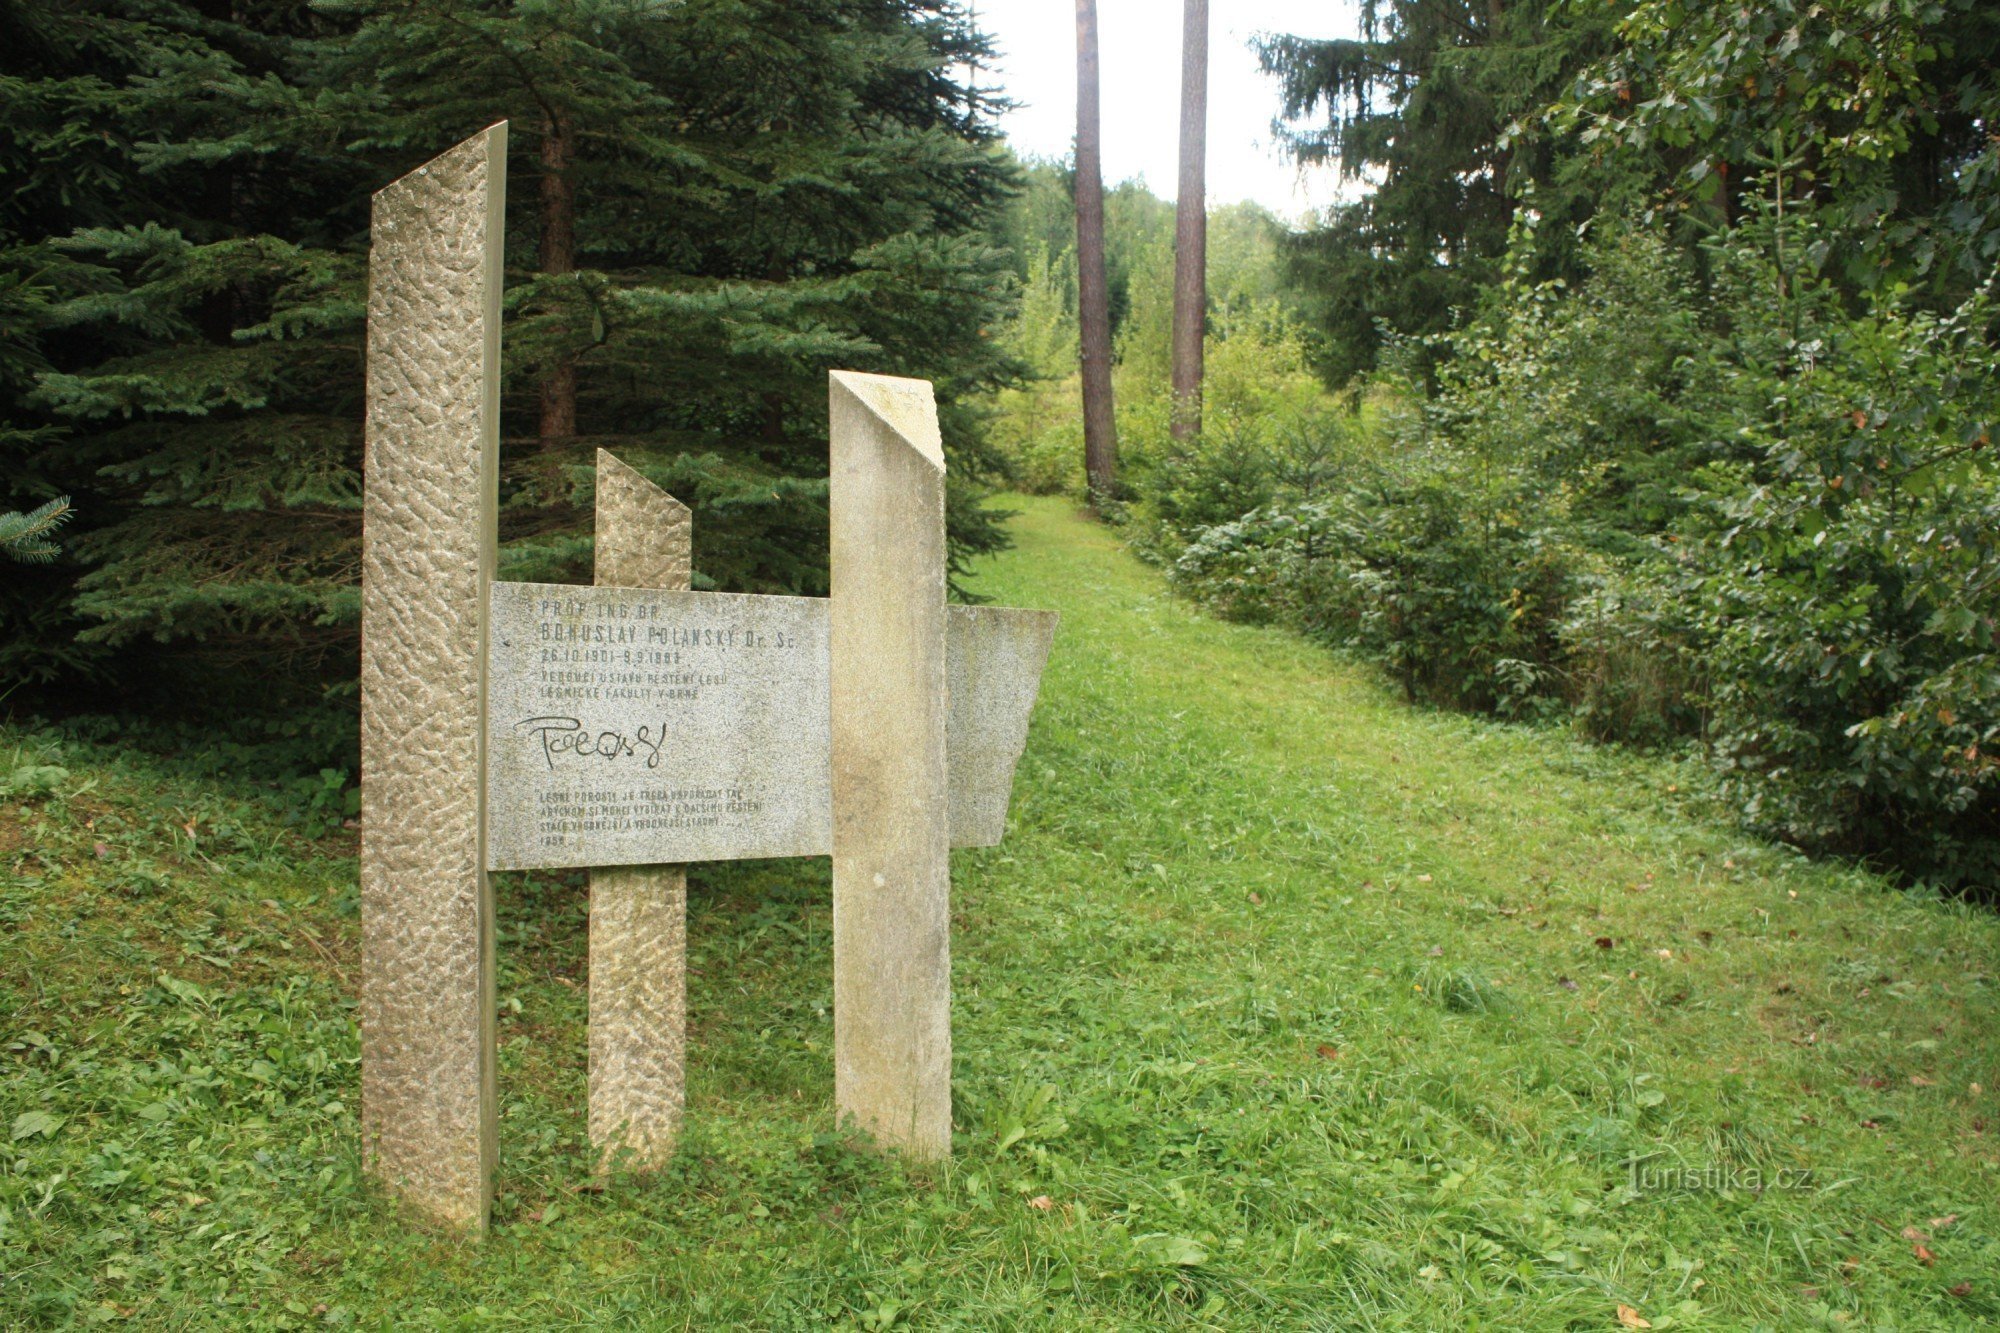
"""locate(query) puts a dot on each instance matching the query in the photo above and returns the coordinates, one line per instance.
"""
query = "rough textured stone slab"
(638, 914)
(427, 1047)
(994, 659)
(645, 537)
(891, 811)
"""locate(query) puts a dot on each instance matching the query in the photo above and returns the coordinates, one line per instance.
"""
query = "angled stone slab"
(638, 913)
(891, 814)
(427, 1039)
(994, 657)
(633, 726)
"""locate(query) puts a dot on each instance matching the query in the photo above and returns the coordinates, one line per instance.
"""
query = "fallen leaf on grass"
(1911, 1233)
(1041, 1203)
(1962, 1290)
(1602, 941)
(1328, 1053)
(1924, 1256)
(1919, 1081)
(1631, 1318)
(1940, 1223)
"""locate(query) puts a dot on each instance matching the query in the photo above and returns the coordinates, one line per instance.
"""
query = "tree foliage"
(1885, 110)
(1431, 109)
(712, 203)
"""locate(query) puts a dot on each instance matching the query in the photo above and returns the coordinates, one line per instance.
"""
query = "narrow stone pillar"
(427, 553)
(891, 812)
(638, 914)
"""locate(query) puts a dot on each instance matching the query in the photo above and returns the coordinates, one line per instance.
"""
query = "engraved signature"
(568, 735)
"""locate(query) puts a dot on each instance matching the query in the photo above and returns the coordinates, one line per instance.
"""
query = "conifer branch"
(26, 537)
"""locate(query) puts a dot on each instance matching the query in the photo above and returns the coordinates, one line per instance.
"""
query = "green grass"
(1284, 1005)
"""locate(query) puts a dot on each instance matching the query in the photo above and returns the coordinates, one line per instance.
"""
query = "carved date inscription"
(637, 726)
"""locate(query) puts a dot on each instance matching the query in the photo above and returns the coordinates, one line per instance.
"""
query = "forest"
(1506, 834)
(1648, 391)
(1645, 387)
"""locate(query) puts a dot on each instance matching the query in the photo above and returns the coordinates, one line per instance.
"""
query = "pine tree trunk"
(1100, 429)
(558, 420)
(1191, 223)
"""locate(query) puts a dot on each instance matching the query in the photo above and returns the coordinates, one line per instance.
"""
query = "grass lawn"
(1284, 1005)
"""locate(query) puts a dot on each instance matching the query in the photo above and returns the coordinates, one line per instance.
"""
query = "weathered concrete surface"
(638, 914)
(427, 1042)
(891, 813)
(757, 725)
(994, 657)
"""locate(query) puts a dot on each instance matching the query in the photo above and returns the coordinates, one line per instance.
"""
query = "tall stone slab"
(428, 538)
(891, 815)
(638, 914)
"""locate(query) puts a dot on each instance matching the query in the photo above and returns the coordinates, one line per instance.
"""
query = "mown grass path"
(1284, 1005)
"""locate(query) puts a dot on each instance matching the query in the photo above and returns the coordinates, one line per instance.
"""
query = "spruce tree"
(182, 340)
(712, 204)
(1437, 103)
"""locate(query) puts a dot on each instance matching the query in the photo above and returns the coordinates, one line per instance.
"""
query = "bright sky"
(1139, 45)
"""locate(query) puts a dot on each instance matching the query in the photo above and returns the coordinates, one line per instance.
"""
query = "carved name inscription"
(637, 726)
(630, 726)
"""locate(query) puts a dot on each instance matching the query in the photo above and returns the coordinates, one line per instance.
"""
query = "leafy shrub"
(1848, 596)
(1193, 484)
(1049, 460)
(1037, 427)
(1269, 428)
(1630, 673)
(1460, 584)
(1431, 564)
(1271, 566)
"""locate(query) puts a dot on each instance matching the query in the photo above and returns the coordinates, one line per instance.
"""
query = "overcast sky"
(1140, 52)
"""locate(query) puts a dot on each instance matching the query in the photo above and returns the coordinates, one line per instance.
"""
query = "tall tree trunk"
(1100, 428)
(1191, 223)
(558, 189)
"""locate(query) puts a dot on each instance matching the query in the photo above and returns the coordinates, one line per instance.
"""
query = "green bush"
(1438, 567)
(1630, 673)
(1460, 584)
(1271, 566)
(1847, 587)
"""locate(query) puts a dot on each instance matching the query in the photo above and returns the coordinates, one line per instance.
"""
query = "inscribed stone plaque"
(636, 725)
(580, 774)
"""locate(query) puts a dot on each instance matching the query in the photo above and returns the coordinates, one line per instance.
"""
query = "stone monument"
(633, 726)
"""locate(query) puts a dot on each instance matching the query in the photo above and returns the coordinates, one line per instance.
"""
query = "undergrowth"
(1283, 1005)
